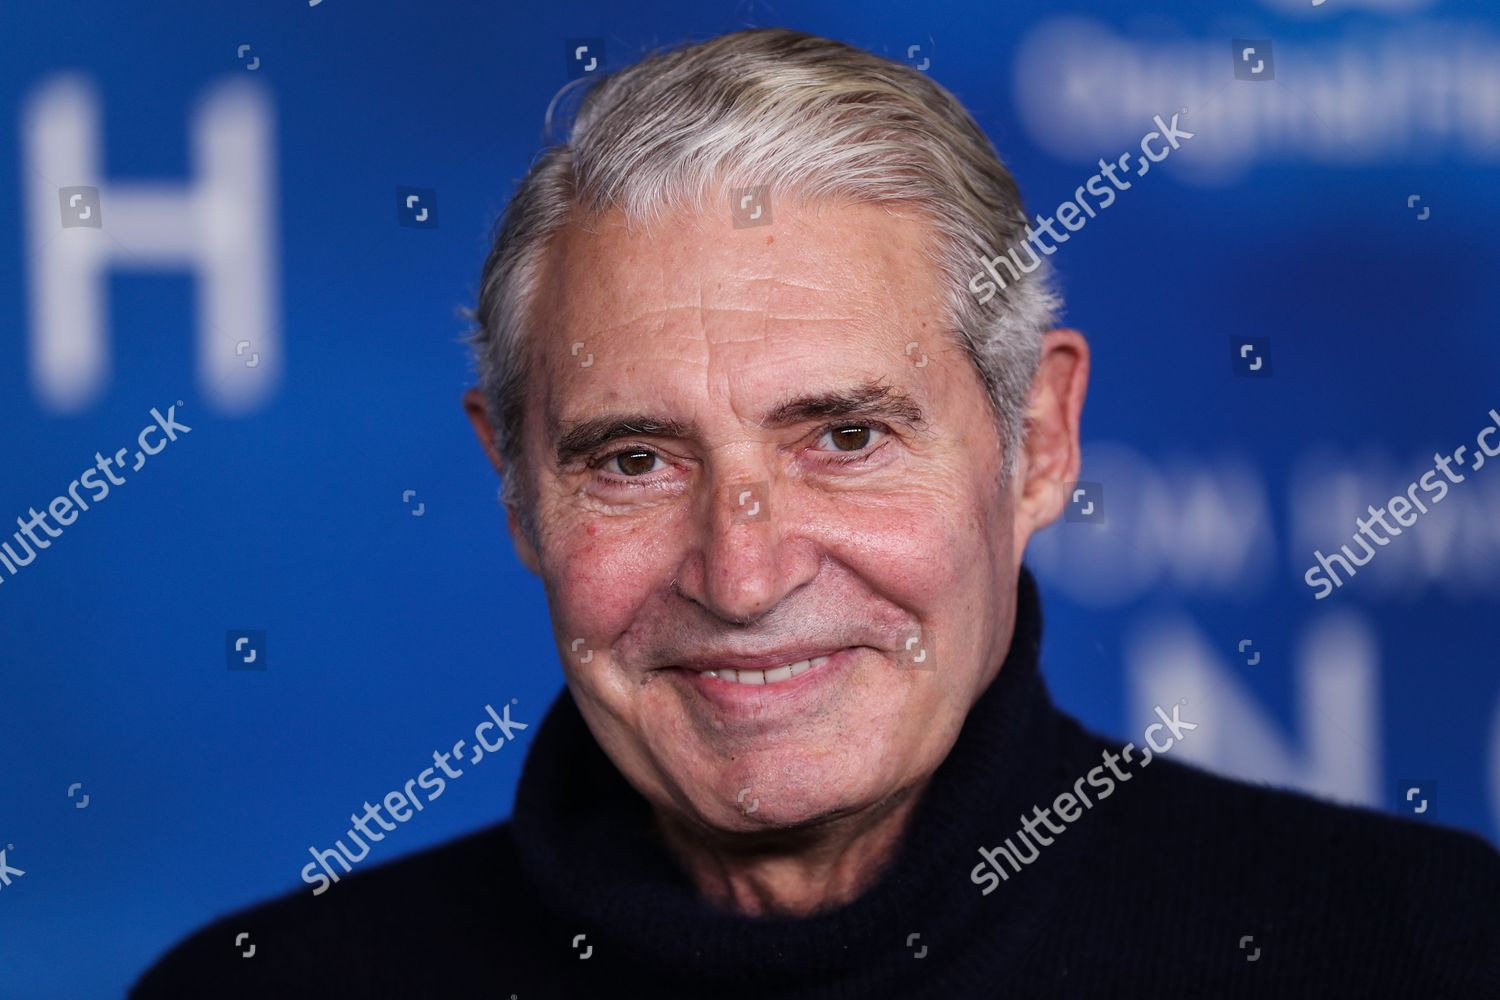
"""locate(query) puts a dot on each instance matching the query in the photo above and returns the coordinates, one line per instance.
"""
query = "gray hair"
(796, 113)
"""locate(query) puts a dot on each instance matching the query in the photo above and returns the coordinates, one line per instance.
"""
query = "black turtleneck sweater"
(1175, 884)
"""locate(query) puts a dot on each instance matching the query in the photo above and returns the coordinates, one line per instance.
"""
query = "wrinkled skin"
(877, 525)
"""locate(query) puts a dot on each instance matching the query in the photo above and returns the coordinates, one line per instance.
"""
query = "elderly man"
(777, 464)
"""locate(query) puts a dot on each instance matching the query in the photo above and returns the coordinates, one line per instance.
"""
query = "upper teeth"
(775, 676)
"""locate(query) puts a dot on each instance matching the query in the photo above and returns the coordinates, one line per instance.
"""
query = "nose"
(749, 553)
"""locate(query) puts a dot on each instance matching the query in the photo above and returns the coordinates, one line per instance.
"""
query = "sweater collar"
(585, 841)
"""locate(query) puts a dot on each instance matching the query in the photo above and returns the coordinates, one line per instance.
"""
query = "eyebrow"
(871, 399)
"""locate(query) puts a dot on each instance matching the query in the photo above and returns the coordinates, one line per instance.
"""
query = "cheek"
(940, 559)
(916, 552)
(597, 577)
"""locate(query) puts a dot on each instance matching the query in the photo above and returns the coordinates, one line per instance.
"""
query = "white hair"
(803, 116)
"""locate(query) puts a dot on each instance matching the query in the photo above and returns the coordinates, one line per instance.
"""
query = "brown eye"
(635, 463)
(851, 438)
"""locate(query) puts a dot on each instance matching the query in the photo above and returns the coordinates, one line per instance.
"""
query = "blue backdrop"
(212, 204)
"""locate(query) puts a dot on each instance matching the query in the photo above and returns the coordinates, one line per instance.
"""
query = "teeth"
(761, 677)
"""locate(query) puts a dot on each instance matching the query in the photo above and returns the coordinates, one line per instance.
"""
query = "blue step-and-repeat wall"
(242, 234)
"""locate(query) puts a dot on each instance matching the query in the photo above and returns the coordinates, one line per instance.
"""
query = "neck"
(795, 872)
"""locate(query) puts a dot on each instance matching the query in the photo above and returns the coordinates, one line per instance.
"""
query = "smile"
(764, 677)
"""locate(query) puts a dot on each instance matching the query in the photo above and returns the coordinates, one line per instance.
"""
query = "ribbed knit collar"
(584, 839)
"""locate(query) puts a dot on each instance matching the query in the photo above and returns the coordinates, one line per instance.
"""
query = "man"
(777, 465)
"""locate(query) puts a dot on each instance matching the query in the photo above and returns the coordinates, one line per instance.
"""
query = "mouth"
(785, 682)
(761, 678)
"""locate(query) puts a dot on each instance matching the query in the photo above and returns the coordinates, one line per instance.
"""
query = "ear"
(477, 407)
(1051, 456)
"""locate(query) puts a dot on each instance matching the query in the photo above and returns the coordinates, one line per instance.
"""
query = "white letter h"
(219, 224)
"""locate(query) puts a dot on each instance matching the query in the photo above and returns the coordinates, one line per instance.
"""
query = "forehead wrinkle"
(788, 297)
(776, 326)
(760, 296)
(812, 303)
(652, 315)
(657, 314)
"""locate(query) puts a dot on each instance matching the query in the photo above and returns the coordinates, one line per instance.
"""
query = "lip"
(764, 661)
(733, 697)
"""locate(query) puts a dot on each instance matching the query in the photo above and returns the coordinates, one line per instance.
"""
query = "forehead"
(691, 318)
(820, 275)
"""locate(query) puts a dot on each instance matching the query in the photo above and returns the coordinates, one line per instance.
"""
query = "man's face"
(755, 448)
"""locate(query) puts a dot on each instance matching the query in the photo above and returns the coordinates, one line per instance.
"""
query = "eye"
(631, 462)
(851, 437)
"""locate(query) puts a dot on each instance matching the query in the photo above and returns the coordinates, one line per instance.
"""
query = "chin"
(782, 794)
(756, 814)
